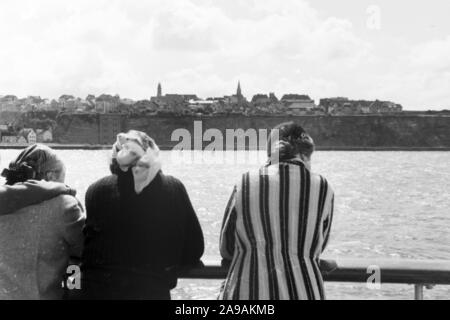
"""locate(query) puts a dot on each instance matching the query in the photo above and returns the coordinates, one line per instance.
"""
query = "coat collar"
(294, 161)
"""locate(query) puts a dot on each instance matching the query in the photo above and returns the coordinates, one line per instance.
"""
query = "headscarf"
(137, 151)
(32, 163)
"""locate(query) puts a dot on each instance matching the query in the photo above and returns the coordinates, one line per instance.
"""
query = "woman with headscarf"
(37, 241)
(277, 223)
(140, 228)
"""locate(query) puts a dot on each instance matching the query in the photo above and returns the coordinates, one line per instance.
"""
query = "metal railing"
(419, 273)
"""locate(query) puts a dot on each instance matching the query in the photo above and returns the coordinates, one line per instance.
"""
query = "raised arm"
(21, 195)
(227, 237)
(73, 223)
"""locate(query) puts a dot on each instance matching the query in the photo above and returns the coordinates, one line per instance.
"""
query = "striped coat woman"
(276, 225)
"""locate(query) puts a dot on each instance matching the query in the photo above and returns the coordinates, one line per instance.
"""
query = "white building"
(44, 135)
(201, 104)
(31, 137)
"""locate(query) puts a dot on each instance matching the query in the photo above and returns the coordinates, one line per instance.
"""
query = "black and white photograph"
(224, 155)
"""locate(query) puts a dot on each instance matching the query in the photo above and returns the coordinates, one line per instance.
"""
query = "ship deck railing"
(418, 273)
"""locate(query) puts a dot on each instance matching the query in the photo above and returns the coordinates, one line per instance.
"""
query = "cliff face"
(77, 129)
(339, 131)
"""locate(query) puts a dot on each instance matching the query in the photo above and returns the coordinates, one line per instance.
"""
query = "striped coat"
(276, 225)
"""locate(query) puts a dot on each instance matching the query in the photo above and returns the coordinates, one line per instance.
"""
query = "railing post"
(418, 291)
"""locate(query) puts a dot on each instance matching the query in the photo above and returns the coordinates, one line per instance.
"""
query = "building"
(385, 107)
(219, 106)
(9, 139)
(237, 98)
(4, 130)
(159, 91)
(22, 140)
(202, 105)
(331, 103)
(67, 102)
(8, 99)
(239, 91)
(301, 108)
(144, 106)
(262, 99)
(107, 103)
(33, 100)
(292, 98)
(298, 104)
(364, 106)
(170, 99)
(174, 102)
(44, 135)
(344, 106)
(29, 135)
(259, 99)
(273, 98)
(9, 103)
(127, 102)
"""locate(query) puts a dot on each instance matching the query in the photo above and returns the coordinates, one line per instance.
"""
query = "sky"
(388, 50)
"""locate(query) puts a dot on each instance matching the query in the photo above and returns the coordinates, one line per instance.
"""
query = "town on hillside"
(40, 114)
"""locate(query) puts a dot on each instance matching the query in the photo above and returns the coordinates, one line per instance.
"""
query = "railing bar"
(425, 273)
(418, 291)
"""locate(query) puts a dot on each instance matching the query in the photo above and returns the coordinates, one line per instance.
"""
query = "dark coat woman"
(140, 229)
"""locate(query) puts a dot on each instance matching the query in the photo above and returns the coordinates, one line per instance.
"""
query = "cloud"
(420, 78)
(50, 47)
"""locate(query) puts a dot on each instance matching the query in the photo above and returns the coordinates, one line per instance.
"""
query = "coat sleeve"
(91, 207)
(328, 218)
(21, 195)
(73, 223)
(227, 233)
(194, 245)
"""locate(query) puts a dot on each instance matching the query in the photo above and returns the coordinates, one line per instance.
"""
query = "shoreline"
(59, 146)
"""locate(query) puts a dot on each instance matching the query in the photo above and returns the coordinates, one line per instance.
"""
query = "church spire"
(239, 91)
(159, 92)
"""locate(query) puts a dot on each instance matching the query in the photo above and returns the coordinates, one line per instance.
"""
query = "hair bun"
(18, 173)
(288, 140)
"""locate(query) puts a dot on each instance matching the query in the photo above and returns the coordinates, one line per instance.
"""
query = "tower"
(159, 92)
(239, 91)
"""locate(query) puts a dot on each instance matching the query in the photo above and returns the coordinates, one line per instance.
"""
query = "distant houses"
(264, 99)
(174, 104)
(344, 106)
(44, 135)
(9, 103)
(26, 136)
(9, 139)
(298, 104)
(107, 103)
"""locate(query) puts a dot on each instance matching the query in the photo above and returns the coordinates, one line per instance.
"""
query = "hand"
(55, 188)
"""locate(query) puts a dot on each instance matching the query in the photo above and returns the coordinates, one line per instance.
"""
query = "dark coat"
(135, 243)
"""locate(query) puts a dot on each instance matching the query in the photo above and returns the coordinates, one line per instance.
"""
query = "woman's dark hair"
(32, 163)
(287, 141)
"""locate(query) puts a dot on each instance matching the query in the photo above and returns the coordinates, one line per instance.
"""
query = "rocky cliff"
(415, 131)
